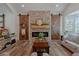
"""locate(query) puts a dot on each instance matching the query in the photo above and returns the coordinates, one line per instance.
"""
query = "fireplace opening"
(36, 34)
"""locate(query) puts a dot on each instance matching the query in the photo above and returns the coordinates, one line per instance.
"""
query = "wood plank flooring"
(24, 48)
(57, 50)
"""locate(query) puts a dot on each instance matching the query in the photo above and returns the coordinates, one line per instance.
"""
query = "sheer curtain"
(71, 24)
(77, 24)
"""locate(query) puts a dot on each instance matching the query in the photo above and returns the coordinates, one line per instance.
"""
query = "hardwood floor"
(67, 51)
(24, 48)
(57, 50)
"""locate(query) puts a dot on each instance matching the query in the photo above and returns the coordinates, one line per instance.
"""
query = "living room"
(39, 29)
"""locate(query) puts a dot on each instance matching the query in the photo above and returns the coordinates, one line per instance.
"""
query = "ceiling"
(4, 8)
(54, 8)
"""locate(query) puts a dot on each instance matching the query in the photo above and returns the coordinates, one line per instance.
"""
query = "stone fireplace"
(39, 21)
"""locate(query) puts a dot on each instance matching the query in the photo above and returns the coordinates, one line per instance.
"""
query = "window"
(77, 24)
(71, 23)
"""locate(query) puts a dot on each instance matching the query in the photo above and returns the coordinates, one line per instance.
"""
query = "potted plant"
(12, 35)
(41, 36)
(8, 37)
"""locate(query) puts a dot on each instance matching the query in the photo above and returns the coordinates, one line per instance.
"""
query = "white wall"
(12, 23)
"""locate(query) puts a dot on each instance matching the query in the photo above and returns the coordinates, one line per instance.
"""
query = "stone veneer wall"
(45, 16)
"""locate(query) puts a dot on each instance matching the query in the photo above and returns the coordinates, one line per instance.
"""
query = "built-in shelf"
(43, 26)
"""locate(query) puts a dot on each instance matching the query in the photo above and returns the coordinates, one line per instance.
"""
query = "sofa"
(3, 35)
(71, 42)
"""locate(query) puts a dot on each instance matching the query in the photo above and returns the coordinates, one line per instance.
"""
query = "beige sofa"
(72, 43)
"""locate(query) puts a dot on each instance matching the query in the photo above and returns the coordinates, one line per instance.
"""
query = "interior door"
(24, 27)
(55, 27)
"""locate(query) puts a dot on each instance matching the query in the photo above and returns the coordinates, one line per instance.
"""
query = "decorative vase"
(39, 22)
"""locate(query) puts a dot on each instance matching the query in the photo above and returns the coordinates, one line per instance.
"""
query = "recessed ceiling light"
(57, 5)
(22, 5)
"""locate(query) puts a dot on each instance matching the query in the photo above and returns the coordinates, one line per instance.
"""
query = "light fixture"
(22, 5)
(57, 5)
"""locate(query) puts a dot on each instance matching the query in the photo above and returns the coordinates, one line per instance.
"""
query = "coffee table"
(40, 46)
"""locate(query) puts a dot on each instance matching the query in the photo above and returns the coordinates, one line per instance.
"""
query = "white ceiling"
(17, 7)
(39, 6)
(4, 8)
